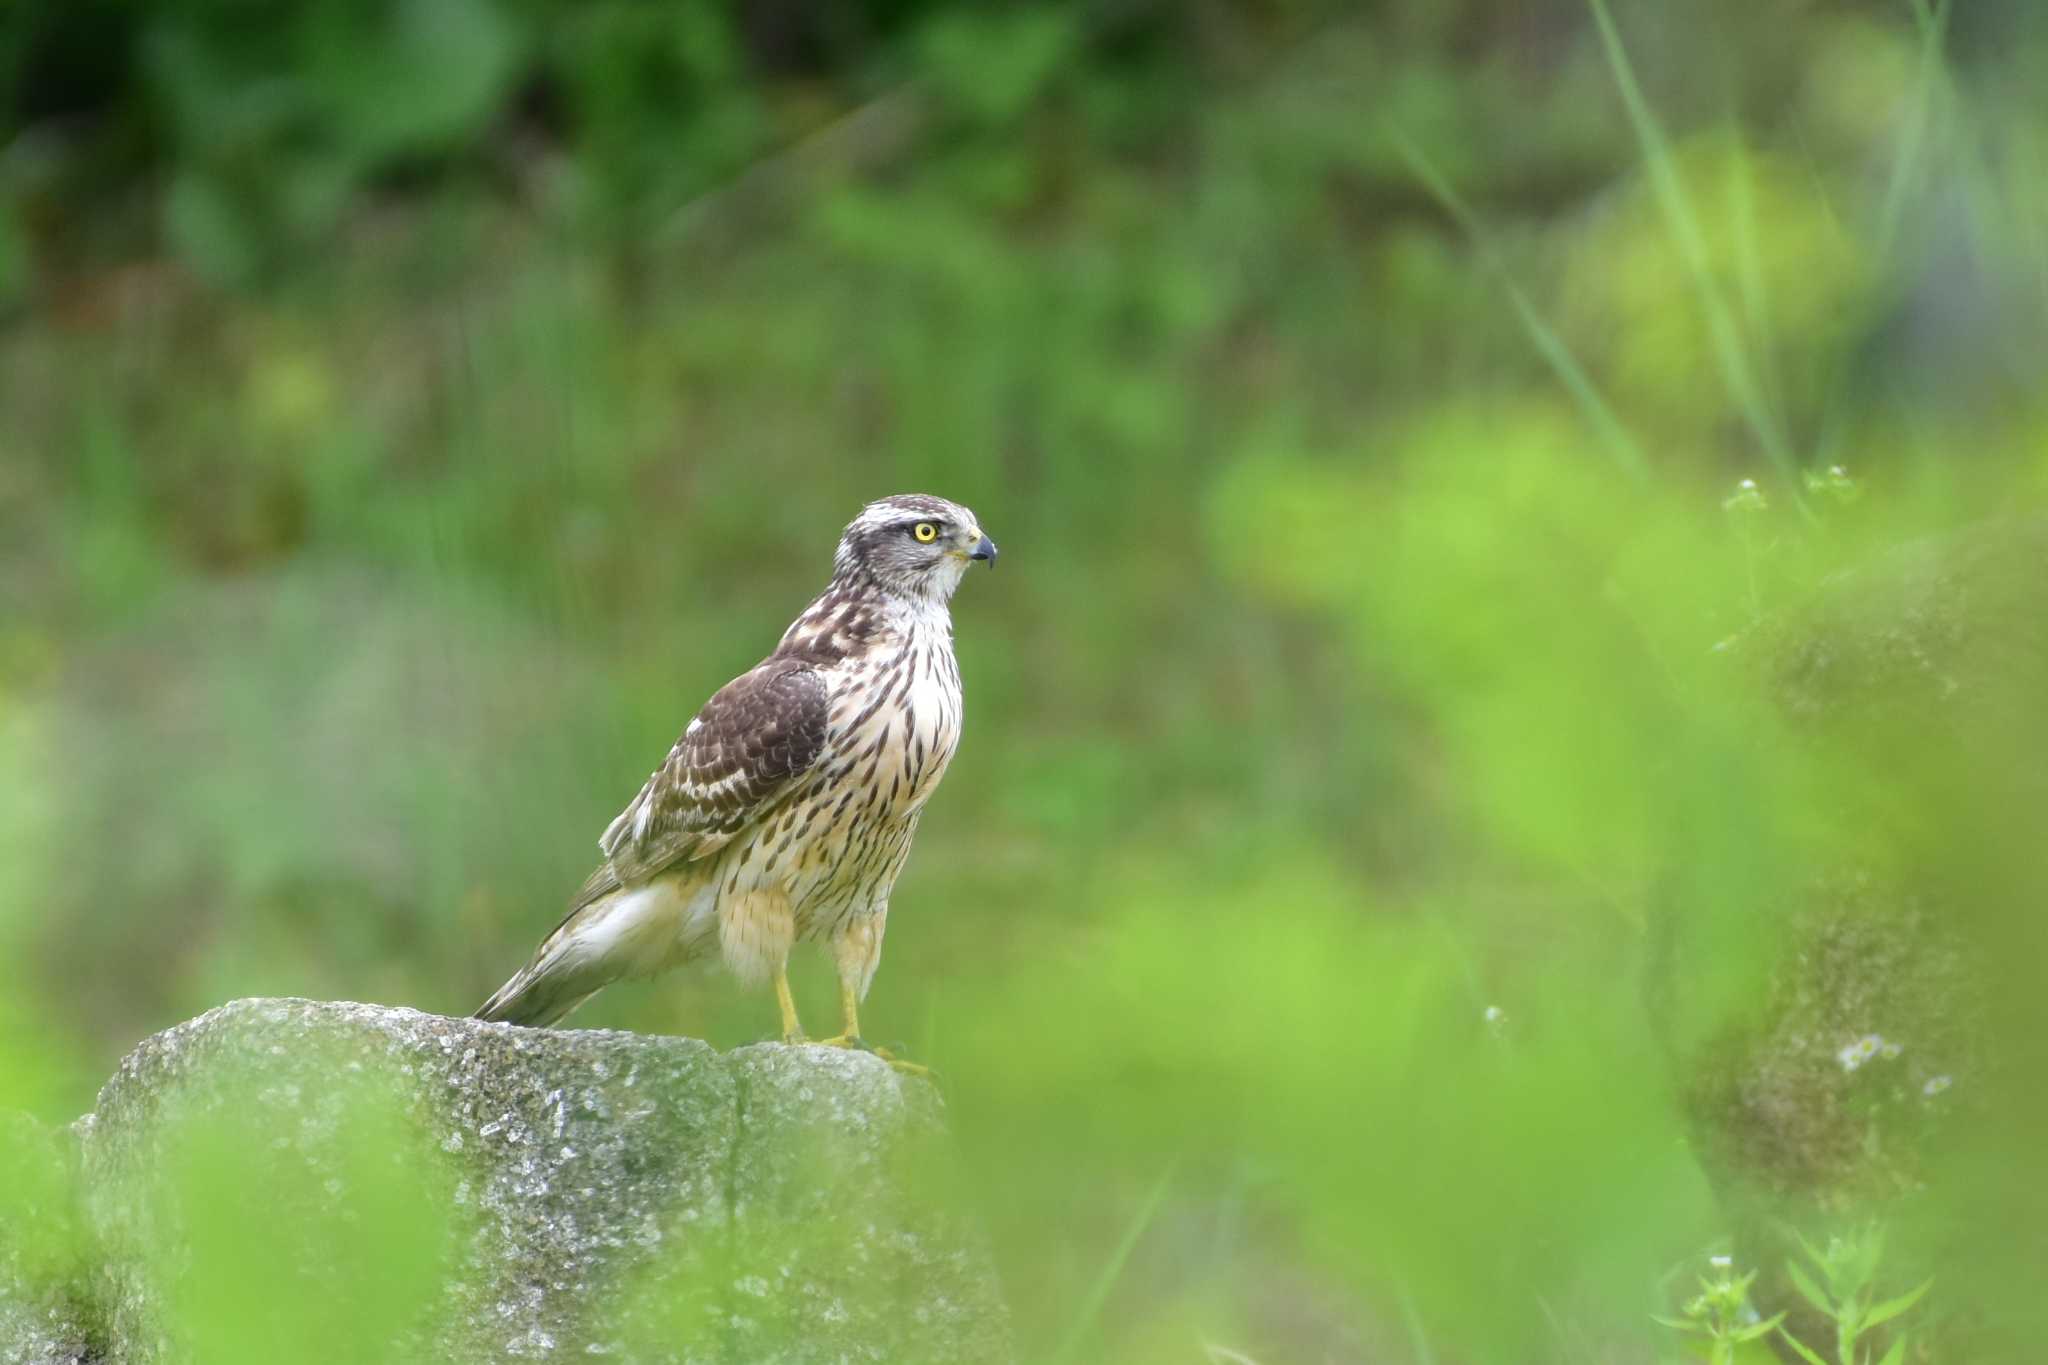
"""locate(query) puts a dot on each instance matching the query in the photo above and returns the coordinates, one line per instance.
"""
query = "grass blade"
(1891, 1308)
(1738, 375)
(1418, 1336)
(1804, 1352)
(1113, 1269)
(1808, 1290)
(1932, 22)
(1613, 435)
(1749, 273)
(1933, 25)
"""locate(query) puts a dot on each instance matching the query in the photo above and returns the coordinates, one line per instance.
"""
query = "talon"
(849, 1034)
(853, 1042)
(908, 1068)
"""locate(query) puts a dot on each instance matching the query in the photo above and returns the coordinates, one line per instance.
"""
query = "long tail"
(567, 969)
(612, 932)
(535, 997)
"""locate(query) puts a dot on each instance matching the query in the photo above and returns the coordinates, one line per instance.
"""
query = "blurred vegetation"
(410, 411)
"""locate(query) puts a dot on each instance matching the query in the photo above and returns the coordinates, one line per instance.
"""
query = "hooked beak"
(984, 549)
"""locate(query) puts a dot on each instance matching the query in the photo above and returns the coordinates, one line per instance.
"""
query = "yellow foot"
(855, 1043)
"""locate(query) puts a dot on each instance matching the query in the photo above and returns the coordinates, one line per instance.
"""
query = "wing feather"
(735, 762)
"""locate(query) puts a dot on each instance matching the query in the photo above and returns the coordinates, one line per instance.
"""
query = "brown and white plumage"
(785, 810)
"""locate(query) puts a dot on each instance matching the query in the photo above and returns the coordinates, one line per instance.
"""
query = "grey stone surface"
(36, 1330)
(834, 1260)
(296, 1179)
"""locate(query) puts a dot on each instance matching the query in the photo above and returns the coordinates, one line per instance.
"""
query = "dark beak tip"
(984, 550)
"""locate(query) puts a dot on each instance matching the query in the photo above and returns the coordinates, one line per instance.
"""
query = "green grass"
(1738, 370)
(1368, 844)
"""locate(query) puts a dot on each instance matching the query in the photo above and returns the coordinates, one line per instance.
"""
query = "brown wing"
(739, 757)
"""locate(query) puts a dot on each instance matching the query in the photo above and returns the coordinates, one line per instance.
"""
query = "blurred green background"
(410, 410)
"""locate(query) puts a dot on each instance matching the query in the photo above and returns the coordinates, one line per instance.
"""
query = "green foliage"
(991, 66)
(275, 114)
(1725, 1321)
(286, 1261)
(1722, 1316)
(1843, 1294)
(1405, 426)
(42, 1245)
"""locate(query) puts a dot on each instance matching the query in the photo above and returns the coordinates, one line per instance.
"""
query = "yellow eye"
(925, 532)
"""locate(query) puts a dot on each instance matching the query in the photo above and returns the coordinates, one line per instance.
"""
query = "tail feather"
(611, 934)
(533, 998)
(564, 972)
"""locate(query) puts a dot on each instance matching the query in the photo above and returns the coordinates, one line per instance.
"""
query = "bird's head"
(913, 545)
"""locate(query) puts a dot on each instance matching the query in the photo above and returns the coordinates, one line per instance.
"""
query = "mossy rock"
(1879, 1070)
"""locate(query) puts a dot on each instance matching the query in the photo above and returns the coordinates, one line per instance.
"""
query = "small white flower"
(1720, 1262)
(1860, 1051)
(1747, 497)
(1495, 1015)
(1892, 1050)
(1935, 1085)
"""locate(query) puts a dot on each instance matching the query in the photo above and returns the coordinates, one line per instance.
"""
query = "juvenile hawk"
(786, 809)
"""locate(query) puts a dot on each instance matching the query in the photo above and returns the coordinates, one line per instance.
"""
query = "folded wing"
(743, 754)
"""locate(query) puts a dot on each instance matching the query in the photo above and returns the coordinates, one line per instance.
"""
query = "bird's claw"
(853, 1042)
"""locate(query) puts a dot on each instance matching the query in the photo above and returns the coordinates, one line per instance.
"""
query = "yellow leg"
(849, 1012)
(849, 1036)
(792, 1029)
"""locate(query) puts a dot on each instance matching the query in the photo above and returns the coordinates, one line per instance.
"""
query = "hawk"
(786, 809)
